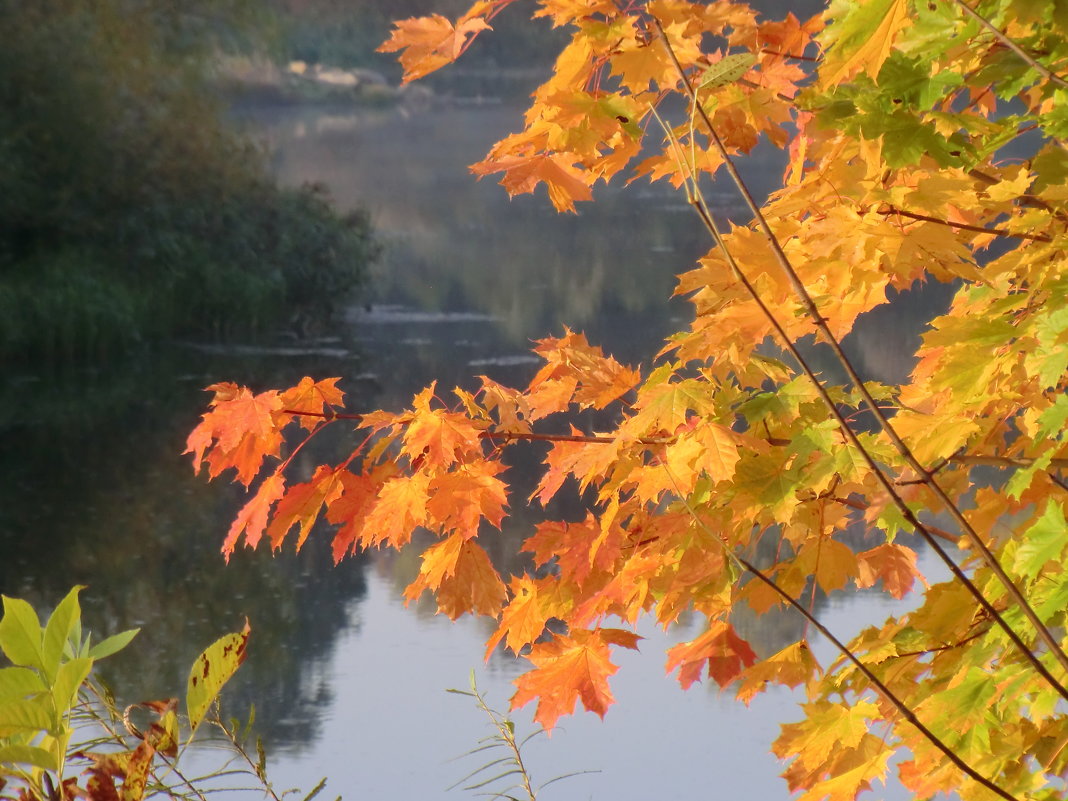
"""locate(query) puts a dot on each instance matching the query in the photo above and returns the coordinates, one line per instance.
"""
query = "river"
(348, 683)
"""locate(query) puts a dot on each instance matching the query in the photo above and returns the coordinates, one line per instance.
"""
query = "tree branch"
(813, 312)
(893, 210)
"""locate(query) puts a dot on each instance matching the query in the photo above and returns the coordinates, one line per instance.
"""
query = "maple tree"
(926, 142)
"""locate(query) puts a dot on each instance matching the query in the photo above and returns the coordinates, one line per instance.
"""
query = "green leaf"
(20, 634)
(1022, 478)
(666, 407)
(727, 70)
(112, 644)
(1051, 422)
(211, 670)
(19, 682)
(69, 679)
(63, 620)
(25, 716)
(28, 755)
(1043, 542)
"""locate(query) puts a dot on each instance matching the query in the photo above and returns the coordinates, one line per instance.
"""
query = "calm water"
(349, 684)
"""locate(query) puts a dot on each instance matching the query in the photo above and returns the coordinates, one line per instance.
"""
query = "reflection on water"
(347, 683)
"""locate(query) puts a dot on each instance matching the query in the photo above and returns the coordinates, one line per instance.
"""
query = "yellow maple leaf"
(430, 43)
(863, 40)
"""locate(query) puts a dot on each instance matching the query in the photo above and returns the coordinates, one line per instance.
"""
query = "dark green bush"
(129, 211)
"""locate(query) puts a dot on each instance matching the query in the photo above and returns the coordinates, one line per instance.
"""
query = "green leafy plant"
(40, 689)
(57, 724)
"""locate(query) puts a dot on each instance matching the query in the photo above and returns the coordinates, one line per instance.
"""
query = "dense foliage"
(927, 143)
(128, 208)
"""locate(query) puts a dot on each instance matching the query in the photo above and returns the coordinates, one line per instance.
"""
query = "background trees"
(130, 209)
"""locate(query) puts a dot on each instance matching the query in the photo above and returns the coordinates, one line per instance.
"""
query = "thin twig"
(963, 226)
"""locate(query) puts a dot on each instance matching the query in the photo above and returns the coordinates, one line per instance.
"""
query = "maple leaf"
(894, 565)
(398, 509)
(663, 406)
(252, 519)
(719, 650)
(460, 499)
(863, 40)
(512, 408)
(240, 431)
(832, 562)
(827, 727)
(569, 668)
(562, 12)
(302, 503)
(579, 548)
(793, 665)
(534, 601)
(462, 576)
(314, 397)
(437, 438)
(523, 173)
(576, 370)
(584, 460)
(358, 496)
(642, 65)
(430, 43)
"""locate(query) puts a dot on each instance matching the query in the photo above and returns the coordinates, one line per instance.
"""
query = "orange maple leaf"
(568, 668)
(720, 648)
(894, 564)
(240, 431)
(579, 548)
(793, 665)
(512, 408)
(252, 519)
(302, 504)
(462, 577)
(598, 379)
(436, 438)
(563, 12)
(312, 396)
(430, 43)
(522, 174)
(460, 499)
(398, 509)
(584, 460)
(358, 496)
(523, 620)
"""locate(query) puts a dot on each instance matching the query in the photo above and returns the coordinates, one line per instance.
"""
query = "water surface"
(348, 683)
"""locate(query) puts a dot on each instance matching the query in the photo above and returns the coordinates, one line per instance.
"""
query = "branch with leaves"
(906, 162)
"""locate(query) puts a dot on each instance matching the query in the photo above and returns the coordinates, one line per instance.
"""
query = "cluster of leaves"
(129, 207)
(48, 702)
(925, 143)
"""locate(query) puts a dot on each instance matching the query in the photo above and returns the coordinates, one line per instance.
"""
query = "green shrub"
(129, 211)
